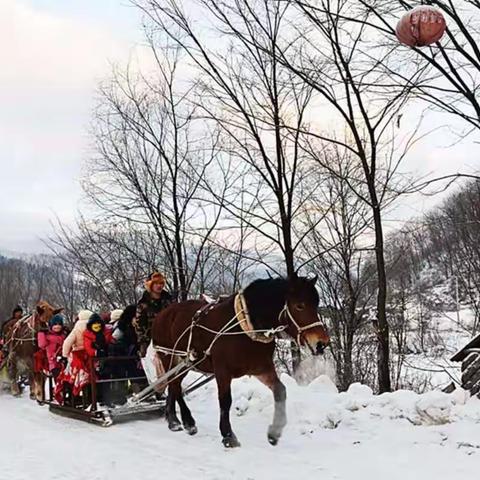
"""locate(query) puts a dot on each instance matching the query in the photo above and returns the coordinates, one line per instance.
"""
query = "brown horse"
(234, 338)
(21, 345)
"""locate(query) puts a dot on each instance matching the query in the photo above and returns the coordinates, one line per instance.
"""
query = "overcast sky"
(53, 53)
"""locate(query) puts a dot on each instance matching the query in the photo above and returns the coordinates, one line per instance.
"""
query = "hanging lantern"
(421, 26)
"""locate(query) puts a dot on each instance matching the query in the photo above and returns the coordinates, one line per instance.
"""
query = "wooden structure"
(470, 358)
(86, 406)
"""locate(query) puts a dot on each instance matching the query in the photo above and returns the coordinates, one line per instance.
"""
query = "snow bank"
(320, 406)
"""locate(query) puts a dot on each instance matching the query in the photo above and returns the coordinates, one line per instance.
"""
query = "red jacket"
(51, 343)
(90, 338)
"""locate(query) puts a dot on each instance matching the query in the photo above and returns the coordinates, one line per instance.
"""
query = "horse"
(235, 337)
(21, 346)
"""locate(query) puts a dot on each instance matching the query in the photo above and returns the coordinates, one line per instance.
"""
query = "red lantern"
(421, 26)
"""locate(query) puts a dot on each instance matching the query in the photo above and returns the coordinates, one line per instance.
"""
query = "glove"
(62, 360)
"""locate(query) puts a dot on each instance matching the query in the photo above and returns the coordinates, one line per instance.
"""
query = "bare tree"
(113, 260)
(259, 106)
(336, 55)
(454, 63)
(39, 277)
(151, 159)
(343, 279)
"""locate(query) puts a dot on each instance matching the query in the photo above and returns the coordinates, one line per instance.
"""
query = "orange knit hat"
(155, 277)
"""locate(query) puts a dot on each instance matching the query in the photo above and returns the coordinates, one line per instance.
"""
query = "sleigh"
(91, 404)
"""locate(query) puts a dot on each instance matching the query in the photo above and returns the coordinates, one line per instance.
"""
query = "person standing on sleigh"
(154, 299)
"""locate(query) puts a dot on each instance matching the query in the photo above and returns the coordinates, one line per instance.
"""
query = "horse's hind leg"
(172, 396)
(187, 418)
(175, 390)
(171, 414)
(272, 381)
(13, 375)
(225, 399)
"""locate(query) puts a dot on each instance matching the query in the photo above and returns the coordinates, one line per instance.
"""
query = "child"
(96, 337)
(74, 341)
(51, 341)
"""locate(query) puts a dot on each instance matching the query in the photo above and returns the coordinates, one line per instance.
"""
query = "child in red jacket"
(97, 337)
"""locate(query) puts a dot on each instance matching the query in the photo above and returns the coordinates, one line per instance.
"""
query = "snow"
(330, 435)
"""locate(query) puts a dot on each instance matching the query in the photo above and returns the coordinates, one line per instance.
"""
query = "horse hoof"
(230, 442)
(192, 430)
(272, 440)
(175, 427)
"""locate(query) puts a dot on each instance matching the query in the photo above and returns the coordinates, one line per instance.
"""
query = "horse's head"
(300, 314)
(44, 312)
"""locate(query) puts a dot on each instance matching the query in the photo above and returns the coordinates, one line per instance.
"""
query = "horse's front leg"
(38, 387)
(225, 399)
(187, 418)
(272, 381)
(32, 381)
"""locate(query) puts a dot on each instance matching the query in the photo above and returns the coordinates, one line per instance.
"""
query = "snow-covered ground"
(330, 435)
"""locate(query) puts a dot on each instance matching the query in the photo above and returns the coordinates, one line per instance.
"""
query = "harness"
(242, 319)
(29, 321)
(300, 329)
(241, 310)
(14, 340)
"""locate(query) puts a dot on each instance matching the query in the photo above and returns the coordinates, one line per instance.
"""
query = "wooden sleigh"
(90, 408)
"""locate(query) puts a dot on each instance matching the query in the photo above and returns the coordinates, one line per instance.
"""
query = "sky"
(53, 54)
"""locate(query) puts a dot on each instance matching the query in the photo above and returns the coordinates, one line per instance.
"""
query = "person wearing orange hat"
(154, 299)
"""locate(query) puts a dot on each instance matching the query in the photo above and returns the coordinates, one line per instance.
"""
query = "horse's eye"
(300, 306)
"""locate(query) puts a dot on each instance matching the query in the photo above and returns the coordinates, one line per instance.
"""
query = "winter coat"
(74, 341)
(51, 343)
(96, 344)
(147, 309)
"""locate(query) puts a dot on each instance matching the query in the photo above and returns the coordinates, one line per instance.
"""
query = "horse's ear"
(57, 310)
(40, 310)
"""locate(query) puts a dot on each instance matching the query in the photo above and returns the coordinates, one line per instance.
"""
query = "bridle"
(300, 329)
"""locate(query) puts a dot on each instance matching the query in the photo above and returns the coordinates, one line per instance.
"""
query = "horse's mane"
(265, 299)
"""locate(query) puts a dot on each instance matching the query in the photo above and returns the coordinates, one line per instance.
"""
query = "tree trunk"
(383, 359)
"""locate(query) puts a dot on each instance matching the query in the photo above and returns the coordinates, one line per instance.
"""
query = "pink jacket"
(74, 341)
(52, 344)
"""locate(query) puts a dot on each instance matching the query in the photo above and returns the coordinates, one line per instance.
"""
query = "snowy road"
(329, 436)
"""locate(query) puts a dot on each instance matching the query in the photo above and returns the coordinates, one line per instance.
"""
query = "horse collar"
(243, 317)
